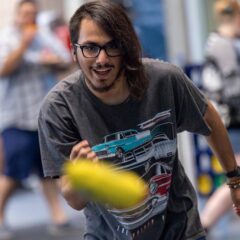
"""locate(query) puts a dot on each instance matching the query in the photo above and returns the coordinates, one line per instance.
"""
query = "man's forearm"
(13, 60)
(72, 197)
(219, 140)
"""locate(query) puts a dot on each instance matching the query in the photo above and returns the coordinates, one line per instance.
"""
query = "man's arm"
(221, 146)
(55, 54)
(12, 61)
(218, 139)
(74, 198)
(14, 58)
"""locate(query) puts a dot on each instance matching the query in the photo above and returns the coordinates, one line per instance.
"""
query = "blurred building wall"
(195, 29)
(210, 18)
(6, 12)
(70, 7)
(148, 18)
(56, 5)
(176, 31)
(188, 23)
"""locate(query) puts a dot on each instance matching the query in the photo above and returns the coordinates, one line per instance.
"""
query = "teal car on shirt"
(132, 149)
(117, 144)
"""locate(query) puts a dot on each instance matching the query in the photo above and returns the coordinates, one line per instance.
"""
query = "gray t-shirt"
(136, 135)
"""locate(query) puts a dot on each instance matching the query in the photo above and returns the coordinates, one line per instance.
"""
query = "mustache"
(100, 66)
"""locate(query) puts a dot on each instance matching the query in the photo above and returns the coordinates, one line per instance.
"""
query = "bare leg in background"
(217, 205)
(51, 192)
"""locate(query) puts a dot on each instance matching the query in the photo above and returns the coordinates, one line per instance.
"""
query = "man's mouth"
(102, 72)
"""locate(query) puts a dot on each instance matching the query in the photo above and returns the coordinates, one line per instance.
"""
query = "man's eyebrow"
(96, 44)
(89, 43)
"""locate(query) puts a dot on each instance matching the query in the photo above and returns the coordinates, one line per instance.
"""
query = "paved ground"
(227, 228)
(39, 232)
(27, 216)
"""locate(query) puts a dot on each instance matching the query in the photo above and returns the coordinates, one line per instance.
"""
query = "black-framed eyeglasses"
(93, 50)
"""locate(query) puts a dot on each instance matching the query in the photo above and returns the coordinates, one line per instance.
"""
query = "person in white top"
(221, 80)
(29, 61)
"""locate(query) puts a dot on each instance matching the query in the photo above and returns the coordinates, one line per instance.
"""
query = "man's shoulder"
(64, 88)
(160, 68)
(72, 78)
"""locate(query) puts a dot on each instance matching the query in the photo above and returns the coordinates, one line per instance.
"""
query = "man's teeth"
(103, 70)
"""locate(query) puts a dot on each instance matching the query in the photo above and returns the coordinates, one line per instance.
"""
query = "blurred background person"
(29, 61)
(55, 22)
(221, 81)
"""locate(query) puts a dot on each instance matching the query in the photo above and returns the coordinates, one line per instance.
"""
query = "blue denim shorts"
(21, 154)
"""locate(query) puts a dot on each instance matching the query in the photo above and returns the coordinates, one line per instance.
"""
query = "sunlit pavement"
(28, 218)
(227, 228)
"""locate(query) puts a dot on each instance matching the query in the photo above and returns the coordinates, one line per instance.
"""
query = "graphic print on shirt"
(147, 150)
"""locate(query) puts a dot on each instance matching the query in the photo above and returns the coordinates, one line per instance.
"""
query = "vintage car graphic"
(153, 121)
(131, 149)
(155, 203)
(116, 144)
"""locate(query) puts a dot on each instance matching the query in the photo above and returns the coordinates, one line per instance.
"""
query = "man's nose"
(102, 57)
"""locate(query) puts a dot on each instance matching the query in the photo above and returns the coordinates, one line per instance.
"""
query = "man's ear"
(74, 53)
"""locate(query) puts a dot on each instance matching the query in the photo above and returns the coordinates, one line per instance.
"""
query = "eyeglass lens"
(111, 50)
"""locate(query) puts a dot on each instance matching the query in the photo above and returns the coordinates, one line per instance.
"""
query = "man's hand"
(49, 58)
(28, 34)
(83, 150)
(74, 198)
(235, 193)
(14, 58)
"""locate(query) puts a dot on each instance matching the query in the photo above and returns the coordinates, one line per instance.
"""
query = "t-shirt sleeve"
(191, 105)
(57, 136)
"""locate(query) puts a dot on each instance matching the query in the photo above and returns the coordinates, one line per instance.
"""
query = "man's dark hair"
(115, 22)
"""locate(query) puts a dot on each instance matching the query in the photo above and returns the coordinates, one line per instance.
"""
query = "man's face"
(26, 15)
(102, 73)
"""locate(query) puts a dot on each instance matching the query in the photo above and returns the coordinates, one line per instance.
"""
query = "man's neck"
(117, 95)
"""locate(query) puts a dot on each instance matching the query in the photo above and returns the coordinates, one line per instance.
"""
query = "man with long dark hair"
(128, 110)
